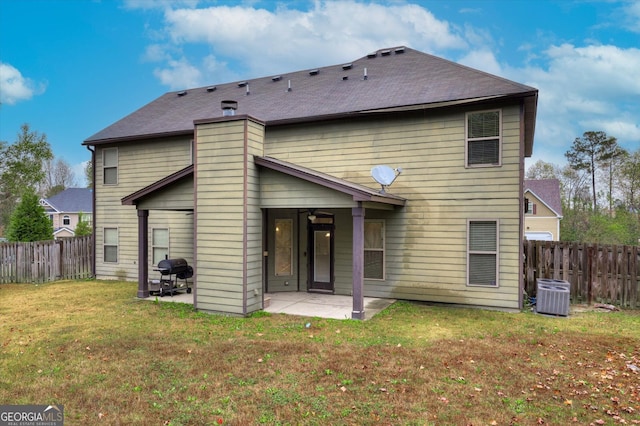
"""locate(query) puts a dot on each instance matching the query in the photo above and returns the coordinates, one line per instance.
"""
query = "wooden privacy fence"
(42, 261)
(597, 273)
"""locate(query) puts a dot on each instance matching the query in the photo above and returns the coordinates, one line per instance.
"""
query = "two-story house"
(67, 208)
(543, 209)
(265, 185)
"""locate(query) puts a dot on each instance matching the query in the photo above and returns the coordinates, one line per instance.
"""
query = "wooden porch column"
(358, 262)
(143, 253)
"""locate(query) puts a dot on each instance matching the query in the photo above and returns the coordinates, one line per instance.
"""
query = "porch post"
(358, 262)
(143, 253)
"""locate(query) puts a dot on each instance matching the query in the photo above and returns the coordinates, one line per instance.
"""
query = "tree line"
(600, 190)
(29, 171)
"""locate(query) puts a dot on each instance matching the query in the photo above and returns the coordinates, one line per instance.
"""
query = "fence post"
(635, 278)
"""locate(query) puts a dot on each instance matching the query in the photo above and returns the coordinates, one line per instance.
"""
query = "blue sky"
(69, 68)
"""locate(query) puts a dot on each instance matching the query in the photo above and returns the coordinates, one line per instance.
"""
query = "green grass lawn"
(112, 359)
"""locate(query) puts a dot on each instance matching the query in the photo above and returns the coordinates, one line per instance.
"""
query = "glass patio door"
(321, 259)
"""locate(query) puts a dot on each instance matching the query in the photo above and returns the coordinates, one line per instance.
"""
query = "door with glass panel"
(321, 257)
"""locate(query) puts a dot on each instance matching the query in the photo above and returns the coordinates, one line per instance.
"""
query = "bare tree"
(59, 176)
(573, 185)
(613, 159)
(628, 180)
(543, 170)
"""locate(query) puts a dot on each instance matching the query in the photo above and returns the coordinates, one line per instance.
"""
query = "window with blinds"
(482, 253)
(110, 166)
(284, 247)
(483, 130)
(159, 244)
(374, 249)
(110, 245)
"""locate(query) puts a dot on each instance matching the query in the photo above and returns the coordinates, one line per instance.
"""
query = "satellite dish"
(385, 175)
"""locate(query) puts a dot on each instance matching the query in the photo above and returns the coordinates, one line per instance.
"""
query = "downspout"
(521, 259)
(245, 215)
(93, 207)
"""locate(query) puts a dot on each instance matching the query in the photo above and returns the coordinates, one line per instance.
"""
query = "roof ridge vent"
(314, 72)
(399, 50)
(372, 55)
(276, 78)
(184, 92)
(385, 52)
(211, 88)
(243, 83)
(347, 66)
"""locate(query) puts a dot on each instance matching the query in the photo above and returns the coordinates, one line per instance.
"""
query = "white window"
(530, 207)
(374, 249)
(482, 253)
(110, 246)
(66, 220)
(483, 131)
(159, 244)
(284, 247)
(110, 166)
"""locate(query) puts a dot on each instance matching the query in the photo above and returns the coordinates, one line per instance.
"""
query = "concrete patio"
(303, 304)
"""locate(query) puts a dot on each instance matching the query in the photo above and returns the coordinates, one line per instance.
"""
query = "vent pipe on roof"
(228, 108)
(289, 86)
(365, 74)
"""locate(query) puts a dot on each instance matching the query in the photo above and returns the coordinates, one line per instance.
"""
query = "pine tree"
(29, 221)
(590, 151)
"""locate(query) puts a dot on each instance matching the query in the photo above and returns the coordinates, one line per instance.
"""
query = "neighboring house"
(64, 210)
(543, 209)
(274, 193)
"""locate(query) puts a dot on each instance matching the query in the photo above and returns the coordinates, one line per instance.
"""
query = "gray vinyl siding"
(139, 165)
(426, 240)
(177, 197)
(280, 191)
(229, 274)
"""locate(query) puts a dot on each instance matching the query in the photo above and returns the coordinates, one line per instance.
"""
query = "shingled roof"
(386, 80)
(547, 191)
(72, 200)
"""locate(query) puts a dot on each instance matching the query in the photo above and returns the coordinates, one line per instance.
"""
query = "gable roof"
(159, 185)
(72, 200)
(386, 80)
(358, 192)
(547, 191)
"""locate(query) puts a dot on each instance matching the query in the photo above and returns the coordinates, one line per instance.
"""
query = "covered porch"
(316, 202)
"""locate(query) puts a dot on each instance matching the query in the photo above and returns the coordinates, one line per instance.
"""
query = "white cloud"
(260, 41)
(179, 74)
(14, 87)
(585, 88)
(483, 60)
(631, 13)
(158, 4)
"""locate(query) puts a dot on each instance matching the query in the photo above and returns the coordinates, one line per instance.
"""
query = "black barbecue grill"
(171, 271)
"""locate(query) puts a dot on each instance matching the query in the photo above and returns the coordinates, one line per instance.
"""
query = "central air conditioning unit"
(552, 297)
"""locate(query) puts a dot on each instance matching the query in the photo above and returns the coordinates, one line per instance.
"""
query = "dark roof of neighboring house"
(397, 79)
(547, 191)
(72, 200)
